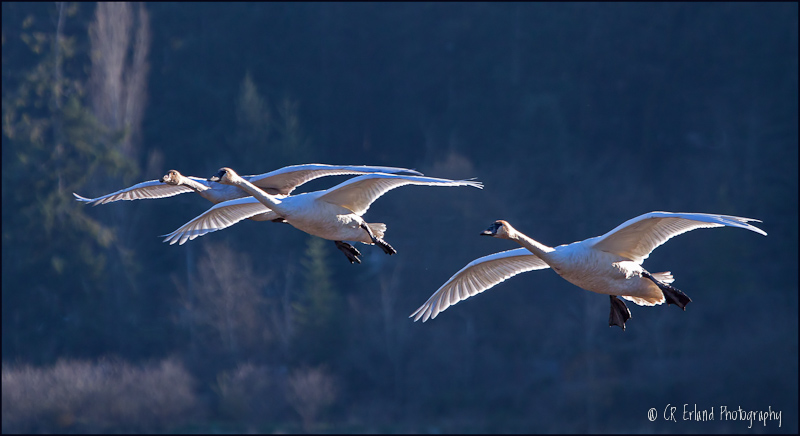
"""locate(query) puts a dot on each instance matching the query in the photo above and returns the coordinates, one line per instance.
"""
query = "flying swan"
(610, 264)
(279, 182)
(333, 214)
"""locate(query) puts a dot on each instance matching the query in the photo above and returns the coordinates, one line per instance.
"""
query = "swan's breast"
(326, 220)
(590, 269)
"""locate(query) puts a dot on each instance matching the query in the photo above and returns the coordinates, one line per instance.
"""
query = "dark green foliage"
(53, 146)
(319, 307)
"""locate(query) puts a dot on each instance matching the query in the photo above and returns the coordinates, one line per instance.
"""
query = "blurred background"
(577, 117)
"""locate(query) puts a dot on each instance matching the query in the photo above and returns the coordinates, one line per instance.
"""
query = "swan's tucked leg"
(379, 242)
(619, 313)
(351, 252)
(673, 295)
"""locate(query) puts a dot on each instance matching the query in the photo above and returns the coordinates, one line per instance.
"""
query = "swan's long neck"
(265, 199)
(196, 186)
(535, 247)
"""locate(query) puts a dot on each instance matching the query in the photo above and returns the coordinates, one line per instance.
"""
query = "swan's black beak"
(492, 230)
(216, 177)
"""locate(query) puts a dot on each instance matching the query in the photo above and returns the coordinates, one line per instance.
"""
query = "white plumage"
(609, 264)
(333, 214)
(279, 182)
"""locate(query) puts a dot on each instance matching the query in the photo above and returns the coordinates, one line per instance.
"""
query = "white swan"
(333, 214)
(279, 182)
(609, 264)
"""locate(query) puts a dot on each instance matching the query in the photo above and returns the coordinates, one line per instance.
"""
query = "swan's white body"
(279, 182)
(333, 214)
(610, 264)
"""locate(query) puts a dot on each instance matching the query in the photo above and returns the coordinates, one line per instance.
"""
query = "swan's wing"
(478, 276)
(636, 238)
(358, 193)
(149, 189)
(220, 216)
(284, 180)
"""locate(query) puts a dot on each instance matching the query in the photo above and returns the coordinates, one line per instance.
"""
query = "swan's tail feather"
(664, 277)
(377, 229)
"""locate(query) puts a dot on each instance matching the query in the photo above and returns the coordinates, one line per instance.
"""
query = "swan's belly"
(329, 222)
(607, 274)
(599, 279)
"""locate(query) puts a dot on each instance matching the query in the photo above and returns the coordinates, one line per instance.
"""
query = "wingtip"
(472, 181)
(169, 238)
(747, 221)
(417, 315)
(81, 198)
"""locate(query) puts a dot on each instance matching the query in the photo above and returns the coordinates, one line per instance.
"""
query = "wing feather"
(358, 193)
(285, 180)
(478, 276)
(144, 190)
(636, 238)
(221, 216)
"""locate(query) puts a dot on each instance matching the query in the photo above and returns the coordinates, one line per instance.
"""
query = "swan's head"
(499, 229)
(172, 178)
(225, 175)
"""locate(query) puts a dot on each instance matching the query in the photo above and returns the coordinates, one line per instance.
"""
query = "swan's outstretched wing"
(149, 189)
(358, 193)
(284, 180)
(478, 276)
(220, 216)
(638, 237)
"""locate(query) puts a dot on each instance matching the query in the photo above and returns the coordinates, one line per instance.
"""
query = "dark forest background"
(576, 117)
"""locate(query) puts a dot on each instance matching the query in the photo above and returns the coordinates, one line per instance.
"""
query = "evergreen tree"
(52, 146)
(318, 309)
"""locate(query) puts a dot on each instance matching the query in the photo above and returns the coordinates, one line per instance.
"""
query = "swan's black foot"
(278, 220)
(388, 249)
(671, 294)
(675, 296)
(379, 242)
(619, 313)
(351, 252)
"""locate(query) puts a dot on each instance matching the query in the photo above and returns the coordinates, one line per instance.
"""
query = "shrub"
(252, 393)
(310, 391)
(107, 396)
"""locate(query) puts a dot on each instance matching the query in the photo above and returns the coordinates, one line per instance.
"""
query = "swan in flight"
(610, 264)
(333, 214)
(279, 182)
